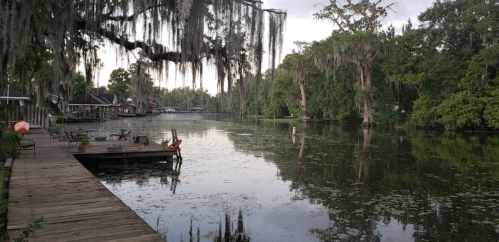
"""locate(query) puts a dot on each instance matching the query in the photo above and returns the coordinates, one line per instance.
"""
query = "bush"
(462, 110)
(424, 112)
(4, 202)
(85, 140)
(9, 142)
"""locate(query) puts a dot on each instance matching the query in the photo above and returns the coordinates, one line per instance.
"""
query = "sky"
(300, 26)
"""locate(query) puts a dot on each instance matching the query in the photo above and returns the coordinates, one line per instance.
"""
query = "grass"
(277, 120)
(282, 120)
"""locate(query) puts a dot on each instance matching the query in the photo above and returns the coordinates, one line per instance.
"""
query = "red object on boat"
(21, 127)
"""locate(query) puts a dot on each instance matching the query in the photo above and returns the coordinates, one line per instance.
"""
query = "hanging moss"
(219, 31)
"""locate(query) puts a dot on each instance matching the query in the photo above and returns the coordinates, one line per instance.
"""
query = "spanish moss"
(188, 33)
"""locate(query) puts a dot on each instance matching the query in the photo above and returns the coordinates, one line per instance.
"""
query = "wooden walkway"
(74, 204)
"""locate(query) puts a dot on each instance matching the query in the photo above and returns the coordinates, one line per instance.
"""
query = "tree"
(356, 42)
(80, 86)
(119, 82)
(451, 63)
(73, 30)
(302, 66)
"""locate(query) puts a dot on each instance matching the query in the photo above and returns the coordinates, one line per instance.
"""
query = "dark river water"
(254, 181)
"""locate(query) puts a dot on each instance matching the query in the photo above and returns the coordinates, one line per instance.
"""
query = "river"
(256, 181)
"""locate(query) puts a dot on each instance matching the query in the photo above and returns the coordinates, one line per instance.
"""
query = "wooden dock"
(74, 204)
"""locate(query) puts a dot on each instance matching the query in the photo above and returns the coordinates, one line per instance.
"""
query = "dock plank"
(74, 204)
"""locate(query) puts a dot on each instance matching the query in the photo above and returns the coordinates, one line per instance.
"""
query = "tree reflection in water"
(438, 187)
(425, 186)
(349, 226)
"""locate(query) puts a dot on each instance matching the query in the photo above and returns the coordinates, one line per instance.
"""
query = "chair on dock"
(72, 139)
(124, 135)
(55, 136)
(25, 144)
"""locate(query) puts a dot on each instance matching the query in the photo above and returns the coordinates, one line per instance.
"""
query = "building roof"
(89, 100)
(107, 97)
(12, 95)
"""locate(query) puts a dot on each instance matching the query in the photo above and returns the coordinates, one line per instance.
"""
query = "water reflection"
(299, 169)
(114, 172)
(334, 183)
(445, 188)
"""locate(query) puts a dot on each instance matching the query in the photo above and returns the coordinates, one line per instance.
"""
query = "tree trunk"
(242, 88)
(299, 169)
(368, 116)
(242, 97)
(363, 165)
(303, 103)
(40, 96)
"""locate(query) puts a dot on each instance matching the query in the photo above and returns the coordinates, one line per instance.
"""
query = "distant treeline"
(445, 73)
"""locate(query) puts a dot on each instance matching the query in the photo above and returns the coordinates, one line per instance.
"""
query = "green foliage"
(34, 60)
(119, 82)
(188, 98)
(482, 71)
(4, 202)
(85, 140)
(53, 107)
(9, 142)
(384, 111)
(443, 74)
(425, 111)
(80, 85)
(491, 112)
(283, 96)
(28, 230)
(461, 110)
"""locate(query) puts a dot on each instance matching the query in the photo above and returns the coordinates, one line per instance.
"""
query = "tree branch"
(154, 51)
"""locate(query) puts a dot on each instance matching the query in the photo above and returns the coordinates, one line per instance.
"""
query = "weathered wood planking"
(98, 149)
(75, 205)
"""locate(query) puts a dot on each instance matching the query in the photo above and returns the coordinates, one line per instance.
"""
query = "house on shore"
(167, 109)
(13, 96)
(198, 109)
(89, 108)
(130, 109)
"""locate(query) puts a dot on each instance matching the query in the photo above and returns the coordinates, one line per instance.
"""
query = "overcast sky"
(300, 26)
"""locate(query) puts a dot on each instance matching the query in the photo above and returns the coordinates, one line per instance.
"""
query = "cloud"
(401, 11)
(300, 9)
